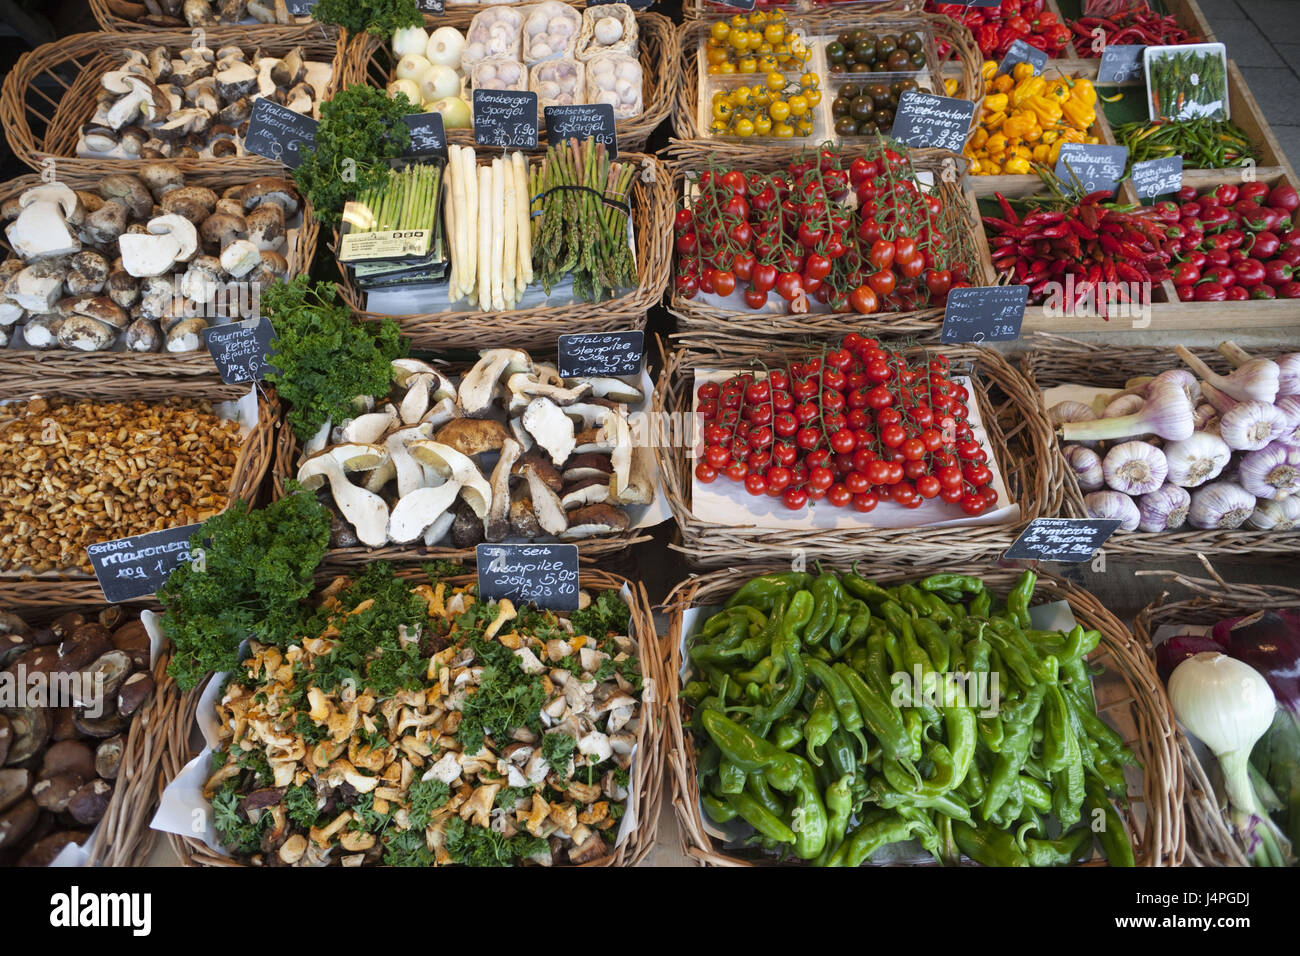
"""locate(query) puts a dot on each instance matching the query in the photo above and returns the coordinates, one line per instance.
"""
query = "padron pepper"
(988, 845)
(1074, 847)
(762, 592)
(760, 818)
(839, 808)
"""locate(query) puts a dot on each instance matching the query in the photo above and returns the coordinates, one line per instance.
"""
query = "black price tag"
(580, 121)
(129, 568)
(737, 4)
(634, 4)
(977, 3)
(1121, 63)
(300, 8)
(1096, 167)
(1022, 52)
(241, 350)
(541, 574)
(279, 133)
(1068, 540)
(985, 314)
(612, 354)
(925, 120)
(505, 118)
(431, 6)
(1157, 177)
(428, 136)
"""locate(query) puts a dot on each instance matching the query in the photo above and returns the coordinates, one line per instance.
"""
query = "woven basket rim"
(111, 22)
(644, 790)
(1158, 840)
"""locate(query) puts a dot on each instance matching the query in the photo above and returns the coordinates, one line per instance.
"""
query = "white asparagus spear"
(524, 274)
(510, 258)
(484, 238)
(451, 212)
(469, 228)
(498, 232)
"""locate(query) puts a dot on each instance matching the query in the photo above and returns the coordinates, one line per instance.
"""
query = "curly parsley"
(380, 17)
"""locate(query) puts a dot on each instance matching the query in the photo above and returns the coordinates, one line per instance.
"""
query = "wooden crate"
(1187, 12)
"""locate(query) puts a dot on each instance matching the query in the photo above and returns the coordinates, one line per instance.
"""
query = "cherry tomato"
(892, 436)
(717, 456)
(864, 502)
(843, 441)
(789, 285)
(683, 221)
(863, 300)
(820, 478)
(755, 483)
(807, 438)
(705, 472)
(724, 282)
(914, 449)
(687, 243)
(737, 470)
(794, 498)
(927, 486)
(785, 453)
(709, 390)
(839, 495)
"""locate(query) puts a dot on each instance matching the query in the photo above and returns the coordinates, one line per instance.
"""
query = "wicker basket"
(537, 327)
(52, 90)
(1136, 706)
(119, 16)
(30, 370)
(644, 789)
(1209, 839)
(1019, 438)
(962, 63)
(370, 60)
(703, 324)
(78, 587)
(830, 9)
(1051, 360)
(123, 837)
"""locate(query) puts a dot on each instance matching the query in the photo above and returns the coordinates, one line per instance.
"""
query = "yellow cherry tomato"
(809, 81)
(804, 127)
(747, 64)
(774, 32)
(740, 96)
(719, 30)
(716, 55)
(813, 97)
(767, 63)
(738, 22)
(722, 110)
(743, 128)
(762, 124)
(783, 131)
(775, 81)
(798, 105)
(714, 69)
(779, 111)
(727, 68)
(739, 40)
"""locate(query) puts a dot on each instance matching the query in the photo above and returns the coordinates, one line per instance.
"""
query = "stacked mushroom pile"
(197, 106)
(514, 451)
(144, 255)
(204, 13)
(60, 757)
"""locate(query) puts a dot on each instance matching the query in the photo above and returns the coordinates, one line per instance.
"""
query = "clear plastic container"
(598, 20)
(500, 74)
(818, 133)
(558, 83)
(495, 33)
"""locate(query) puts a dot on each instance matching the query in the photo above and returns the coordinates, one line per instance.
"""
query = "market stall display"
(124, 16)
(833, 746)
(995, 28)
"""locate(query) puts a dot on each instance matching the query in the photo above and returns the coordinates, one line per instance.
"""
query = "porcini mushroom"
(364, 510)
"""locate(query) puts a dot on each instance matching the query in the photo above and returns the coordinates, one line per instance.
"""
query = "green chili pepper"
(952, 582)
(981, 604)
(1068, 783)
(762, 592)
(937, 609)
(841, 696)
(760, 818)
(1108, 827)
(935, 643)
(987, 845)
(839, 807)
(695, 691)
(869, 837)
(1018, 599)
(1056, 730)
(1035, 794)
(835, 637)
(947, 804)
(860, 587)
(841, 757)
(789, 730)
(1074, 847)
(910, 598)
(1019, 725)
(860, 620)
(826, 606)
(821, 724)
(881, 718)
(718, 810)
(757, 787)
(875, 666)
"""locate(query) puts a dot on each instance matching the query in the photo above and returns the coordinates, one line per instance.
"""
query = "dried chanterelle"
(74, 472)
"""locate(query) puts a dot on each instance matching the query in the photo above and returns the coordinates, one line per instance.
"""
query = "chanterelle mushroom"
(364, 510)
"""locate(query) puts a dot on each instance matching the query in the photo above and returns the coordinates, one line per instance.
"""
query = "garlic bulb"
(1184, 379)
(1255, 380)
(1167, 413)
(1063, 412)
(1123, 405)
(1202, 415)
(1251, 425)
(1270, 472)
(1220, 506)
(1135, 468)
(1289, 406)
(1281, 515)
(1113, 504)
(1163, 509)
(1288, 367)
(1086, 466)
(1196, 460)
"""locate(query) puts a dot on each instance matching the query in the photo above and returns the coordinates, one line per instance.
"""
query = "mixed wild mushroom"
(60, 759)
(154, 106)
(513, 451)
(141, 259)
(469, 732)
(204, 13)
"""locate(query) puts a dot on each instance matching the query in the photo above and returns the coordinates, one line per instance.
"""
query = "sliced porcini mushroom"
(290, 68)
(42, 331)
(473, 436)
(547, 507)
(582, 467)
(17, 822)
(300, 98)
(587, 491)
(108, 757)
(271, 189)
(133, 693)
(66, 199)
(202, 94)
(78, 333)
(170, 239)
(100, 308)
(496, 526)
(240, 258)
(185, 336)
(89, 273)
(142, 336)
(614, 389)
(364, 510)
(452, 466)
(526, 387)
(410, 473)
(160, 63)
(195, 63)
(236, 80)
(543, 467)
(265, 226)
(594, 412)
(418, 509)
(182, 123)
(370, 428)
(478, 389)
(418, 397)
(272, 268)
(202, 279)
(101, 681)
(621, 457)
(235, 113)
(36, 288)
(640, 486)
(41, 231)
(105, 224)
(551, 428)
(195, 203)
(266, 85)
(101, 139)
(595, 519)
(30, 729)
(179, 228)
(523, 519)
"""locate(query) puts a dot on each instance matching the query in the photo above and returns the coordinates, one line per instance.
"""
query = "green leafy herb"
(557, 748)
(443, 568)
(257, 566)
(506, 698)
(324, 357)
(380, 17)
(509, 796)
(366, 818)
(480, 846)
(608, 614)
(300, 804)
(426, 796)
(233, 829)
(407, 848)
(361, 127)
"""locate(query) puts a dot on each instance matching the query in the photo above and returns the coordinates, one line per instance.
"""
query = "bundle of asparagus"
(487, 229)
(391, 233)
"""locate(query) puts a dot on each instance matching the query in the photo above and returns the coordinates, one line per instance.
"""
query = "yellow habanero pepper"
(1085, 92)
(994, 122)
(989, 69)
(995, 102)
(1072, 136)
(1045, 109)
(980, 138)
(1004, 84)
(976, 167)
(1078, 114)
(996, 143)
(1027, 90)
(1019, 123)
(1016, 165)
(1041, 152)
(1022, 71)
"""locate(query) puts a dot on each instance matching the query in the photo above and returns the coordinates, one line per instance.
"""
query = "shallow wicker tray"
(109, 19)
(1050, 360)
(703, 324)
(78, 587)
(1209, 839)
(123, 835)
(537, 327)
(1019, 438)
(644, 789)
(30, 370)
(962, 63)
(1140, 712)
(370, 60)
(52, 90)
(695, 9)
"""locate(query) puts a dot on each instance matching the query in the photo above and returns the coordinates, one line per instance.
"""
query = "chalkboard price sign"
(1096, 167)
(612, 354)
(985, 314)
(1068, 540)
(738, 4)
(580, 121)
(428, 136)
(925, 120)
(1022, 52)
(431, 6)
(505, 118)
(300, 8)
(1121, 63)
(541, 574)
(634, 4)
(278, 133)
(1157, 177)
(241, 349)
(129, 568)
